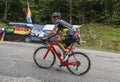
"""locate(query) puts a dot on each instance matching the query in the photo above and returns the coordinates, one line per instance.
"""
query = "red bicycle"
(78, 63)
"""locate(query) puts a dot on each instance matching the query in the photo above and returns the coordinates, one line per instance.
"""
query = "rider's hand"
(45, 41)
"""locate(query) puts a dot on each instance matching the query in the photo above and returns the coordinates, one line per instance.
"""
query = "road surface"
(16, 65)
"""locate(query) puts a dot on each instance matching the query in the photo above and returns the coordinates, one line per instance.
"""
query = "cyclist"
(66, 31)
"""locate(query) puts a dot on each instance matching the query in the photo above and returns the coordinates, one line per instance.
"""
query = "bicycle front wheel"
(44, 62)
(81, 64)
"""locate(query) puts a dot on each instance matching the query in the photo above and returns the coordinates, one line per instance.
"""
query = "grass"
(2, 25)
(101, 37)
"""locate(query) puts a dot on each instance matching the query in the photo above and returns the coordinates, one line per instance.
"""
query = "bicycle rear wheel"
(83, 63)
(40, 61)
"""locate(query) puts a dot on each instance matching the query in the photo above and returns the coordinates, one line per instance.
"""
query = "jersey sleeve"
(57, 24)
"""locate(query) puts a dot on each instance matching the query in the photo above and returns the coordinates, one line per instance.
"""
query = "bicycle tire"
(48, 61)
(84, 62)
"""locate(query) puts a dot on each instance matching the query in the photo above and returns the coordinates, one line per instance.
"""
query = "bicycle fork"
(47, 52)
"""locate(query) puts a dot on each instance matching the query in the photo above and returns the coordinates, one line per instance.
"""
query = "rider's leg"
(60, 45)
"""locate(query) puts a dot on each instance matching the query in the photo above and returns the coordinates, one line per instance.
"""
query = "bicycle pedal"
(60, 65)
(63, 64)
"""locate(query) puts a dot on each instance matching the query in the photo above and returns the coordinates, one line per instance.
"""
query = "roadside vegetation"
(100, 37)
(2, 25)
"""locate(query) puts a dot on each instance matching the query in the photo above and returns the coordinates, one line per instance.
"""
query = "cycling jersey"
(61, 24)
(67, 31)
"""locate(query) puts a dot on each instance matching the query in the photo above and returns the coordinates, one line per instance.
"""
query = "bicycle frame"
(75, 63)
(57, 54)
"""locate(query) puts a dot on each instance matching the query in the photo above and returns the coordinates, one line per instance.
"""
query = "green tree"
(73, 11)
(6, 7)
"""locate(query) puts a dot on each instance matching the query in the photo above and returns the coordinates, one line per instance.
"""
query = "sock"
(65, 52)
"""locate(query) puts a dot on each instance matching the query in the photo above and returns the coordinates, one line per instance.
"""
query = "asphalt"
(16, 65)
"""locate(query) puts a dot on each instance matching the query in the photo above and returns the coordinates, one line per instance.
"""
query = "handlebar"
(45, 41)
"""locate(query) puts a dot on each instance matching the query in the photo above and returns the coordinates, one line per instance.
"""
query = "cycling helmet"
(56, 14)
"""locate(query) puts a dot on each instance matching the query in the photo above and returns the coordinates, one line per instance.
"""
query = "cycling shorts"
(67, 40)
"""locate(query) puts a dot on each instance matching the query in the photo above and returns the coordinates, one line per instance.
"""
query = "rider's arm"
(53, 32)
